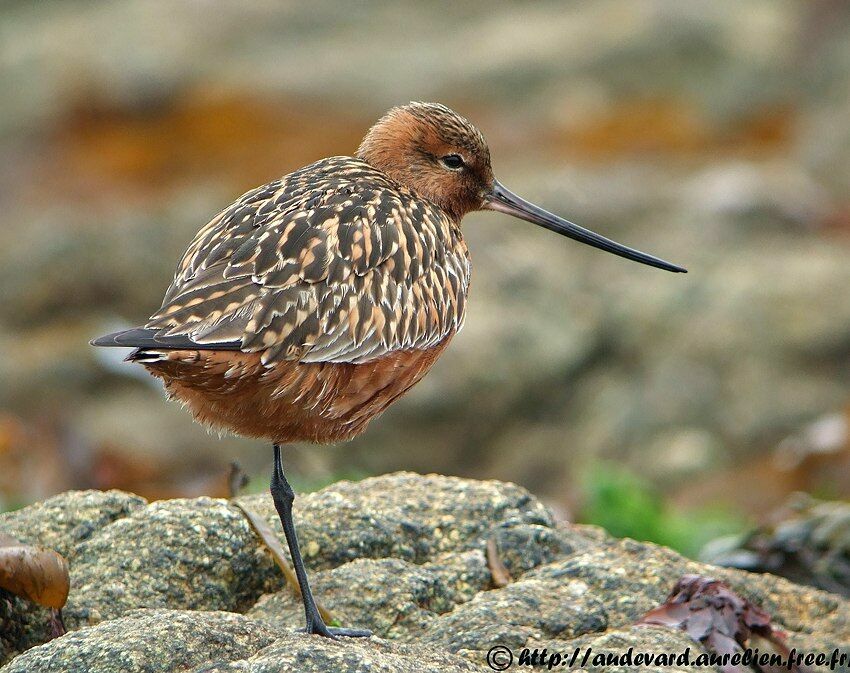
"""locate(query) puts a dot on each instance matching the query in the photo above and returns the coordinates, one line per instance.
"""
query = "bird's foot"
(319, 628)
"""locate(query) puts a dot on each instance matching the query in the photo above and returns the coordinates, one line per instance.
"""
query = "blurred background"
(672, 408)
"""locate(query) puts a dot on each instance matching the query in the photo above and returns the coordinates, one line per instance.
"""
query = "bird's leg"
(283, 497)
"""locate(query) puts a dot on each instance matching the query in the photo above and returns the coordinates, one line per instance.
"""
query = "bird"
(309, 305)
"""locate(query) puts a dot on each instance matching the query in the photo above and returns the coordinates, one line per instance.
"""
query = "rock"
(524, 547)
(201, 554)
(390, 597)
(22, 625)
(303, 654)
(407, 516)
(403, 555)
(148, 640)
(512, 616)
(62, 522)
(618, 641)
(611, 587)
(198, 554)
(631, 577)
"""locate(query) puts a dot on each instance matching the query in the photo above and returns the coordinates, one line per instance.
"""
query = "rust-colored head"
(444, 158)
(435, 152)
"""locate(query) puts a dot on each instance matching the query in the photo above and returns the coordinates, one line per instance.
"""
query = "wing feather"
(333, 263)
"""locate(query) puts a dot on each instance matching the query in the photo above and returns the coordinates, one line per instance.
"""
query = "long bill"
(503, 200)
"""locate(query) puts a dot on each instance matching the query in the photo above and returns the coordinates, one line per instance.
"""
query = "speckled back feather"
(335, 262)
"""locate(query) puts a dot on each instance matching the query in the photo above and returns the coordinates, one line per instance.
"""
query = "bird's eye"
(452, 161)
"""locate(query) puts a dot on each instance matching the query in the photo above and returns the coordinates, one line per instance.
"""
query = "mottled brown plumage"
(336, 262)
(305, 308)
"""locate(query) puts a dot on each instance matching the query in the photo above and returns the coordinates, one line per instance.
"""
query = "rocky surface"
(159, 587)
(150, 640)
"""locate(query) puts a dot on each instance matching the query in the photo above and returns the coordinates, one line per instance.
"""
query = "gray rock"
(629, 578)
(60, 523)
(148, 640)
(616, 642)
(403, 555)
(304, 654)
(22, 625)
(198, 554)
(202, 555)
(390, 597)
(612, 586)
(525, 610)
(408, 516)
(63, 521)
(524, 547)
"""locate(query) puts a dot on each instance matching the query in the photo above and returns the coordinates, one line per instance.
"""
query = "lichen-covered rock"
(403, 555)
(201, 554)
(525, 610)
(148, 640)
(390, 597)
(196, 554)
(63, 521)
(408, 516)
(598, 647)
(60, 523)
(307, 655)
(526, 546)
(22, 625)
(630, 578)
(610, 587)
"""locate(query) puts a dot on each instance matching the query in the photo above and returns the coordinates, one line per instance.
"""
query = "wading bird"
(304, 309)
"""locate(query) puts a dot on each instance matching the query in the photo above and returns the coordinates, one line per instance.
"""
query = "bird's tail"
(137, 337)
(146, 337)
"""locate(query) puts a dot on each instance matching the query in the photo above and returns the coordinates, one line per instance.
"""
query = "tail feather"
(145, 337)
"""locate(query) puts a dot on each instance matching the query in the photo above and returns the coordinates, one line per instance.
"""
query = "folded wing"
(333, 263)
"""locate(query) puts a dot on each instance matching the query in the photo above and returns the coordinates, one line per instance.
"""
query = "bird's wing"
(333, 263)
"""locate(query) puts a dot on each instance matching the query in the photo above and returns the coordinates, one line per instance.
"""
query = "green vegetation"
(628, 506)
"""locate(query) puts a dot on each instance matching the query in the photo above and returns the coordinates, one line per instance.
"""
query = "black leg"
(283, 497)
